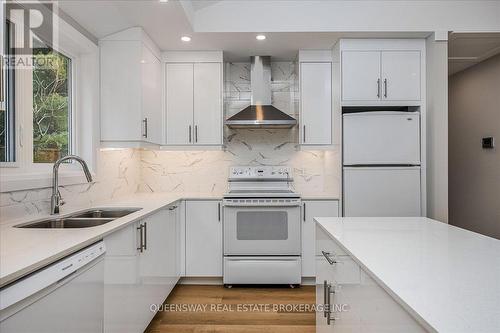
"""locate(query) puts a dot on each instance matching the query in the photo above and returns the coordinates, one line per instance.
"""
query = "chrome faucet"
(56, 199)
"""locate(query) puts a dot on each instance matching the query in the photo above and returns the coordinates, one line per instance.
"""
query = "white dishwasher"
(64, 297)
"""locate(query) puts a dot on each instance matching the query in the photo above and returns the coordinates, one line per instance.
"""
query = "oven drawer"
(262, 270)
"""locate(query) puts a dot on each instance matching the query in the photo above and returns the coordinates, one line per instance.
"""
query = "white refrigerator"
(381, 163)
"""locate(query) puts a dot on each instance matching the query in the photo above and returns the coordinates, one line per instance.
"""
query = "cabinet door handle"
(328, 256)
(145, 236)
(195, 133)
(304, 211)
(145, 123)
(189, 133)
(172, 208)
(325, 298)
(141, 236)
(329, 291)
(385, 88)
(304, 133)
(219, 211)
(378, 88)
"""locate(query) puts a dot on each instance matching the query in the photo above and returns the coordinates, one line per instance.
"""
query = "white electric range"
(262, 229)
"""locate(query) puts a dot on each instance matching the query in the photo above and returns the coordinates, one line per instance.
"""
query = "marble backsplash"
(315, 173)
(118, 174)
(237, 90)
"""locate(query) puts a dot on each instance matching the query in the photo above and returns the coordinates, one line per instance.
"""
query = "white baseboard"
(306, 281)
(201, 280)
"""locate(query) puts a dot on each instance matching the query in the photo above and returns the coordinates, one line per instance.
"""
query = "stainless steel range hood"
(261, 114)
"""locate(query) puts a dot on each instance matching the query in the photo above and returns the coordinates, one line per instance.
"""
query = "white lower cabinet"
(141, 268)
(158, 269)
(355, 301)
(310, 210)
(203, 238)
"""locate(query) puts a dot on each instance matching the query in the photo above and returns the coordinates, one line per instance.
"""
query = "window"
(51, 105)
(55, 109)
(7, 113)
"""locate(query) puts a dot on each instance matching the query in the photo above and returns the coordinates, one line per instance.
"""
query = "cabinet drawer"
(324, 243)
(256, 270)
(346, 271)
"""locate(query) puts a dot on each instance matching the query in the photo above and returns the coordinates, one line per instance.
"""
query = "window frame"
(24, 174)
(9, 100)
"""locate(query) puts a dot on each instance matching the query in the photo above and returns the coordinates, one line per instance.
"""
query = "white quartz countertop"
(24, 250)
(447, 276)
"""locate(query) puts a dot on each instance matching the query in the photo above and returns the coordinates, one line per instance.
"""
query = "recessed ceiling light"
(260, 37)
(163, 1)
(186, 38)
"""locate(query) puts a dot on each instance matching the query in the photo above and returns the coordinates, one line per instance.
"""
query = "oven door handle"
(250, 205)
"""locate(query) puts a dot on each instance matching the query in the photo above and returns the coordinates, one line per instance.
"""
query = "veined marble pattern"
(238, 91)
(315, 172)
(118, 174)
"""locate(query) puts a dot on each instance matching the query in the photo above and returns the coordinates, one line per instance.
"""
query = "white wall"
(371, 15)
(437, 129)
(475, 172)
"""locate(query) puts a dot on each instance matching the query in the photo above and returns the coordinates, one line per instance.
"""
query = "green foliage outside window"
(51, 106)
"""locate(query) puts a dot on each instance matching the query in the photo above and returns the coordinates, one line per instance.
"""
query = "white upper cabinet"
(207, 103)
(401, 75)
(131, 108)
(382, 72)
(316, 97)
(361, 75)
(120, 91)
(151, 97)
(316, 103)
(193, 98)
(179, 102)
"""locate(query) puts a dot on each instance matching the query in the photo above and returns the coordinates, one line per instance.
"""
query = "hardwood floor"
(204, 309)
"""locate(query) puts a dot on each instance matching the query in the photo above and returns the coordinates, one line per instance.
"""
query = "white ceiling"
(467, 49)
(167, 22)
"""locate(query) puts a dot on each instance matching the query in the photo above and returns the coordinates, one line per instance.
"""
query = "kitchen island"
(414, 274)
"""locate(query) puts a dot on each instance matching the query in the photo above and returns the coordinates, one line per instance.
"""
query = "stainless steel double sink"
(86, 219)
